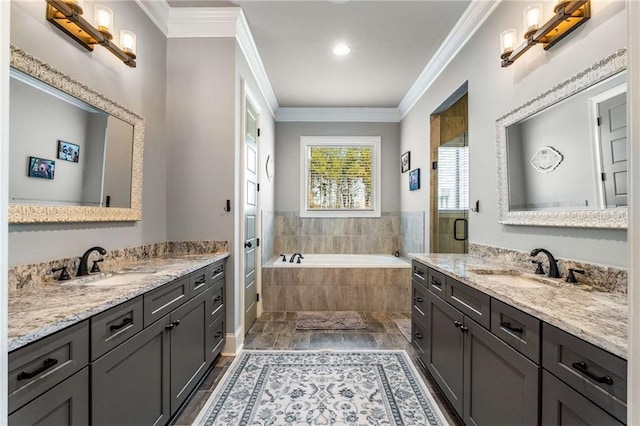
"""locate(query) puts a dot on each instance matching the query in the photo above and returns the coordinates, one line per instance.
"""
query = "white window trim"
(374, 141)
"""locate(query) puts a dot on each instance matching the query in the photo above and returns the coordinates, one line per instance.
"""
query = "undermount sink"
(513, 278)
(112, 279)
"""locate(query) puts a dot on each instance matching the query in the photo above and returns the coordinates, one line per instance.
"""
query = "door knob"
(248, 245)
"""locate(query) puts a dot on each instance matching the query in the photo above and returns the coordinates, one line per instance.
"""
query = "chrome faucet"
(553, 263)
(293, 256)
(83, 269)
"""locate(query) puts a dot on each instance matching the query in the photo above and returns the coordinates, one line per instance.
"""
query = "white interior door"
(250, 215)
(612, 115)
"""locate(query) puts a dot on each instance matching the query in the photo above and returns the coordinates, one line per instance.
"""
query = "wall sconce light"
(67, 16)
(569, 15)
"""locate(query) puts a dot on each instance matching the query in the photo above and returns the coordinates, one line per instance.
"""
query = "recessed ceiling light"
(338, 1)
(341, 50)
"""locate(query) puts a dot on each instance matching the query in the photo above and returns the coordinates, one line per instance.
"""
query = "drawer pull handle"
(507, 325)
(582, 367)
(417, 335)
(218, 270)
(200, 281)
(418, 272)
(458, 324)
(418, 299)
(47, 364)
(217, 298)
(218, 334)
(435, 282)
(124, 323)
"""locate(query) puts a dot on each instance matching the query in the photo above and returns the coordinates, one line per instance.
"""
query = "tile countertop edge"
(191, 265)
(609, 337)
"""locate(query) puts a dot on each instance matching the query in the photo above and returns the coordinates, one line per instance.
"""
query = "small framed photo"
(41, 168)
(405, 160)
(414, 179)
(68, 151)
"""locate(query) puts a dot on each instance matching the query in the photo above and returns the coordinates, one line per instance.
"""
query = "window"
(340, 176)
(453, 178)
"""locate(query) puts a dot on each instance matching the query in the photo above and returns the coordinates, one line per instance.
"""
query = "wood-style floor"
(276, 330)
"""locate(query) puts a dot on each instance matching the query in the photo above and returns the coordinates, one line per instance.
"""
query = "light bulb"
(341, 50)
(532, 19)
(104, 21)
(507, 42)
(128, 42)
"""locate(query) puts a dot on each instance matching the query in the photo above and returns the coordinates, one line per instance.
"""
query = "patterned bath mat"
(405, 327)
(329, 320)
(321, 388)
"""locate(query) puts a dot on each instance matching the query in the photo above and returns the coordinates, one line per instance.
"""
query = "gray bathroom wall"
(493, 92)
(141, 89)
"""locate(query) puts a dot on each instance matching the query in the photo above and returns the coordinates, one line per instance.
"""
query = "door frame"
(248, 96)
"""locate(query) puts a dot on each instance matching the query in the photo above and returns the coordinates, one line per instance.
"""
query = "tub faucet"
(83, 269)
(553, 263)
(293, 256)
(284, 258)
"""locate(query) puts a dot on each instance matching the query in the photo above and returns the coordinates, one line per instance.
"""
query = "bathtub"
(342, 261)
(337, 282)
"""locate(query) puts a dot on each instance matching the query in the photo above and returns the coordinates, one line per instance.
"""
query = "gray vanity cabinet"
(65, 404)
(445, 348)
(189, 347)
(130, 384)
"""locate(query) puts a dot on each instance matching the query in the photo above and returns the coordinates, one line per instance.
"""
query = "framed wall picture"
(41, 168)
(68, 151)
(414, 179)
(405, 160)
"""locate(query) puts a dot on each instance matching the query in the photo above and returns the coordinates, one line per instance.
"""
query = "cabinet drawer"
(162, 300)
(114, 326)
(200, 280)
(67, 404)
(217, 272)
(437, 283)
(562, 405)
(594, 372)
(519, 330)
(471, 302)
(39, 366)
(216, 302)
(419, 301)
(419, 272)
(215, 339)
(419, 337)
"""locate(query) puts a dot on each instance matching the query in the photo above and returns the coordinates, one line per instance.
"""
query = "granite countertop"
(36, 312)
(599, 318)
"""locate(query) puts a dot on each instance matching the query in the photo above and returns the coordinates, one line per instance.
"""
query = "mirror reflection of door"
(450, 175)
(612, 129)
(250, 209)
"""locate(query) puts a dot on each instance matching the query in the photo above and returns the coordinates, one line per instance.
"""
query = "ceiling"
(391, 43)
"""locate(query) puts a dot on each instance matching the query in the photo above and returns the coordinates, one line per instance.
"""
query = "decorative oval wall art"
(546, 159)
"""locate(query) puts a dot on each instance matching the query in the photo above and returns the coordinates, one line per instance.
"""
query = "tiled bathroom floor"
(276, 330)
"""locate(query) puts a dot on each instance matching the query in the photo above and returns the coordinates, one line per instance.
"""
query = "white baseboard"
(233, 344)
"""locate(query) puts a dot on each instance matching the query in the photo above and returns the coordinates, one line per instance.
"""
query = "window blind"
(340, 177)
(453, 178)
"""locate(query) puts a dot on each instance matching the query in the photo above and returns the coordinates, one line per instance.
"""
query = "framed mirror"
(562, 156)
(76, 156)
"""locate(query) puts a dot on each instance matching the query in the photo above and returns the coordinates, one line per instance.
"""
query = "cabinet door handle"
(582, 368)
(464, 328)
(169, 326)
(458, 324)
(418, 299)
(217, 298)
(417, 335)
(47, 364)
(176, 323)
(507, 325)
(124, 323)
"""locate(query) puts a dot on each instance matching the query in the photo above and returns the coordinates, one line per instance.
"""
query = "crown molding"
(336, 115)
(472, 18)
(193, 22)
(158, 12)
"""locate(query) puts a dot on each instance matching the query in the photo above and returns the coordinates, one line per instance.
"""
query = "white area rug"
(321, 388)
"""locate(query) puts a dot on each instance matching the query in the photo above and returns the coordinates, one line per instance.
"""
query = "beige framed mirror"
(562, 156)
(76, 155)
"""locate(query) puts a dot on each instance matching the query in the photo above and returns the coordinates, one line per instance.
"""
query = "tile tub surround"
(31, 275)
(600, 318)
(412, 232)
(268, 235)
(336, 289)
(35, 312)
(337, 235)
(600, 277)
